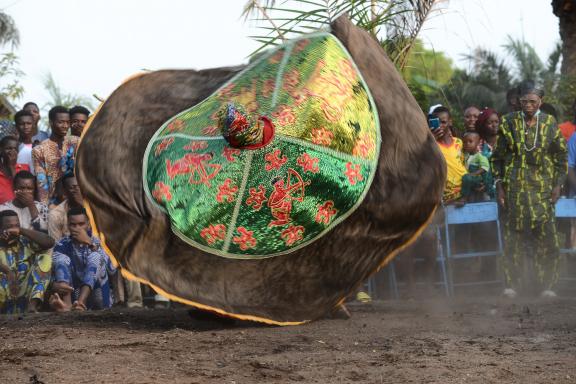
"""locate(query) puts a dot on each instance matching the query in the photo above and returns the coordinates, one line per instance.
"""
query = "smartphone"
(434, 123)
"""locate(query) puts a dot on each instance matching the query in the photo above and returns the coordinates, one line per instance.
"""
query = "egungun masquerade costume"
(267, 192)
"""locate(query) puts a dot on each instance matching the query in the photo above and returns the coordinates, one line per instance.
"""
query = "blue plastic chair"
(566, 209)
(470, 214)
(440, 259)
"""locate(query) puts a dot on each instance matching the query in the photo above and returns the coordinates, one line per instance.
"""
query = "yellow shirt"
(455, 166)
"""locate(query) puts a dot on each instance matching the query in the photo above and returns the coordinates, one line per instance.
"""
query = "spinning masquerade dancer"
(267, 192)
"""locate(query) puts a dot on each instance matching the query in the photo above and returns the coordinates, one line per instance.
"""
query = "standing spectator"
(55, 156)
(39, 135)
(529, 164)
(487, 126)
(513, 100)
(451, 148)
(8, 167)
(569, 127)
(78, 118)
(470, 116)
(81, 268)
(25, 263)
(24, 121)
(31, 214)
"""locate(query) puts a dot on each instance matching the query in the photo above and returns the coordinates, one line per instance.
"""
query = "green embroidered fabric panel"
(265, 202)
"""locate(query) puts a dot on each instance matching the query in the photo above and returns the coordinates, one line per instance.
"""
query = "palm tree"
(566, 12)
(8, 31)
(394, 23)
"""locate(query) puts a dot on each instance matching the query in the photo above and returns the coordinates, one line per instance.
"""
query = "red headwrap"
(483, 117)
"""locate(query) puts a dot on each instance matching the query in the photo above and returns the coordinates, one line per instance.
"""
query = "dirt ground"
(476, 340)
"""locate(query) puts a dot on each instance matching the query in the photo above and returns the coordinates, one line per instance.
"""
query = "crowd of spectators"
(49, 257)
(523, 160)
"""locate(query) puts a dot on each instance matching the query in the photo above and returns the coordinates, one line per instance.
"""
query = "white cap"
(432, 108)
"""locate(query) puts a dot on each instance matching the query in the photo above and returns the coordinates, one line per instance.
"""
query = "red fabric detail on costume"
(267, 136)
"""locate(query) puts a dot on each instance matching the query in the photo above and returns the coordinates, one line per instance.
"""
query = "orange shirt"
(567, 128)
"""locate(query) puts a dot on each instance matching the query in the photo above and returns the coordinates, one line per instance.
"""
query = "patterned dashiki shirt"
(51, 163)
(78, 265)
(32, 266)
(530, 162)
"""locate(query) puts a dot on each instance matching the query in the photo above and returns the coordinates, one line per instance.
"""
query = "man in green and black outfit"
(529, 164)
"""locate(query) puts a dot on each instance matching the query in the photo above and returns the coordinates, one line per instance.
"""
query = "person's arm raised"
(42, 240)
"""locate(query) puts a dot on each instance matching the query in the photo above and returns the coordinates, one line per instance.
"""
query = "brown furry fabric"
(303, 285)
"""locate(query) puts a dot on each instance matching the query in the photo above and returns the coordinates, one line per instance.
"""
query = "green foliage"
(394, 23)
(59, 97)
(10, 75)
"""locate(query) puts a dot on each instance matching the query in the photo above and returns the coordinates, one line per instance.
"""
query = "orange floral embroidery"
(274, 160)
(226, 192)
(347, 70)
(196, 145)
(300, 45)
(161, 192)
(308, 163)
(364, 146)
(277, 57)
(292, 234)
(325, 212)
(257, 197)
(291, 80)
(268, 87)
(353, 171)
(210, 130)
(214, 233)
(246, 239)
(322, 136)
(175, 125)
(229, 153)
(284, 115)
(226, 92)
(163, 145)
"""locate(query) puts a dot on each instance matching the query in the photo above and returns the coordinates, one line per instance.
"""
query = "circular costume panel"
(314, 167)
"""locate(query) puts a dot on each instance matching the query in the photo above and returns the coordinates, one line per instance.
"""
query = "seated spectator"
(55, 156)
(451, 148)
(569, 127)
(487, 126)
(470, 116)
(82, 270)
(477, 181)
(31, 214)
(38, 134)
(25, 263)
(78, 118)
(24, 121)
(8, 167)
(58, 217)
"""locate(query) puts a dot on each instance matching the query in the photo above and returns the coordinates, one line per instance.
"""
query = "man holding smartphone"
(451, 147)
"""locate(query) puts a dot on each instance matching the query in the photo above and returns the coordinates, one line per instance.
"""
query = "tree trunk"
(566, 12)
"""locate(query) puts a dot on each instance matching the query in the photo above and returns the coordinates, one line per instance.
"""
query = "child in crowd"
(475, 183)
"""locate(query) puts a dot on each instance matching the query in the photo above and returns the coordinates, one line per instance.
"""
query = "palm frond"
(527, 62)
(8, 32)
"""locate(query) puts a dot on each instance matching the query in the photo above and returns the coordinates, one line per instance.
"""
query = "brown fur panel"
(303, 285)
